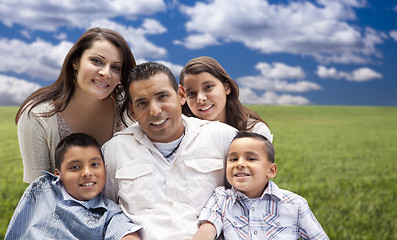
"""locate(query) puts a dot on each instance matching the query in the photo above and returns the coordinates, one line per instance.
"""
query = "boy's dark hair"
(269, 149)
(144, 71)
(74, 140)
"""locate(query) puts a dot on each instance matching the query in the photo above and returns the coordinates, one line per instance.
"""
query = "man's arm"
(206, 231)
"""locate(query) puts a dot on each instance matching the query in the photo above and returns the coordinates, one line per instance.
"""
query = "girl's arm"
(206, 231)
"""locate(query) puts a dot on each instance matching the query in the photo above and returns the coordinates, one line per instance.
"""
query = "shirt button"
(234, 223)
(56, 216)
(252, 209)
(255, 233)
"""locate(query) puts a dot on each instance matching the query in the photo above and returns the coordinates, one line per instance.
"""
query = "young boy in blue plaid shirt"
(254, 207)
(69, 205)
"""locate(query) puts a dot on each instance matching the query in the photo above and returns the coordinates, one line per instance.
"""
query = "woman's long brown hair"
(237, 114)
(63, 88)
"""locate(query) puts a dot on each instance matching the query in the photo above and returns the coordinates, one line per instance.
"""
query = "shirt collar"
(271, 190)
(94, 203)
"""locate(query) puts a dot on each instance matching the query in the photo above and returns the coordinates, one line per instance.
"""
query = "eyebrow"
(73, 161)
(103, 57)
(156, 94)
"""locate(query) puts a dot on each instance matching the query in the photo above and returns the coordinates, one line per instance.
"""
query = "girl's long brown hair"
(63, 88)
(237, 114)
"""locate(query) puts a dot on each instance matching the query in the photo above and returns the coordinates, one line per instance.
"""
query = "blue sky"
(324, 52)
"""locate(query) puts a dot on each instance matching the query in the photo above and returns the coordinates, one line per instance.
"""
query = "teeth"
(203, 109)
(87, 184)
(159, 122)
(101, 84)
(241, 174)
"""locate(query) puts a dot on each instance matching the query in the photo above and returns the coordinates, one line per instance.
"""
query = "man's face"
(157, 108)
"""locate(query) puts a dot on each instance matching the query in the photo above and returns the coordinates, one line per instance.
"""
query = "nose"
(104, 72)
(155, 109)
(86, 172)
(240, 163)
(201, 97)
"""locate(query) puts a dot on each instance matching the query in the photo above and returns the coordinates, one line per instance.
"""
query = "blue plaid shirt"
(277, 214)
(42, 213)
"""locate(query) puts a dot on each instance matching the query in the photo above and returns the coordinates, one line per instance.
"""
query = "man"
(163, 169)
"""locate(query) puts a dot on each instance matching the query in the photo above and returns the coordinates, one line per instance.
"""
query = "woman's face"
(99, 69)
(206, 96)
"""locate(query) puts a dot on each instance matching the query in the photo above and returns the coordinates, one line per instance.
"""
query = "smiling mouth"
(158, 123)
(103, 85)
(242, 175)
(206, 108)
(90, 184)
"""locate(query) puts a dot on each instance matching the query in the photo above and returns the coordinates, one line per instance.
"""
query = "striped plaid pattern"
(277, 214)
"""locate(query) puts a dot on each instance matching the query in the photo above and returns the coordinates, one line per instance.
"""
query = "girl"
(85, 98)
(212, 95)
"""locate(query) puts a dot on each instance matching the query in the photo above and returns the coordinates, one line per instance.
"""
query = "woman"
(211, 94)
(85, 98)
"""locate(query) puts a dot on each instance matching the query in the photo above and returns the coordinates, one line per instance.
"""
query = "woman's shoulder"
(42, 107)
(259, 127)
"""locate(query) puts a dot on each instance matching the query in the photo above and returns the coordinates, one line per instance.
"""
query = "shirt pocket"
(136, 186)
(236, 227)
(203, 176)
(282, 227)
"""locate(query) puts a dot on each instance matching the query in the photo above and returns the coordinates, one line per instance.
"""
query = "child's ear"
(56, 172)
(228, 89)
(182, 94)
(273, 171)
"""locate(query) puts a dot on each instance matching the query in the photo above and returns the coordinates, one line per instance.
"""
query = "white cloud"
(50, 15)
(272, 78)
(247, 96)
(43, 60)
(38, 59)
(198, 41)
(61, 36)
(279, 70)
(14, 91)
(321, 30)
(358, 75)
(141, 47)
(393, 34)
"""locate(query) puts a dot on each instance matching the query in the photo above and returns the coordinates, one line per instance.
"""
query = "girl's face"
(99, 70)
(206, 96)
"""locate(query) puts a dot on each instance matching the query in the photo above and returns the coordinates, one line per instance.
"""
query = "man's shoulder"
(125, 133)
(205, 124)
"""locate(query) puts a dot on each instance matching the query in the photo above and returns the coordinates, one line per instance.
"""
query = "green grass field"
(341, 159)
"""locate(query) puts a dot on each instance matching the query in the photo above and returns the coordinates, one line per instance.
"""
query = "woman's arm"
(36, 135)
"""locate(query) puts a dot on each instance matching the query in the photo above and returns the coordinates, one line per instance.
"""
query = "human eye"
(74, 167)
(96, 164)
(232, 159)
(140, 104)
(251, 159)
(191, 94)
(96, 61)
(117, 68)
(163, 96)
(209, 86)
